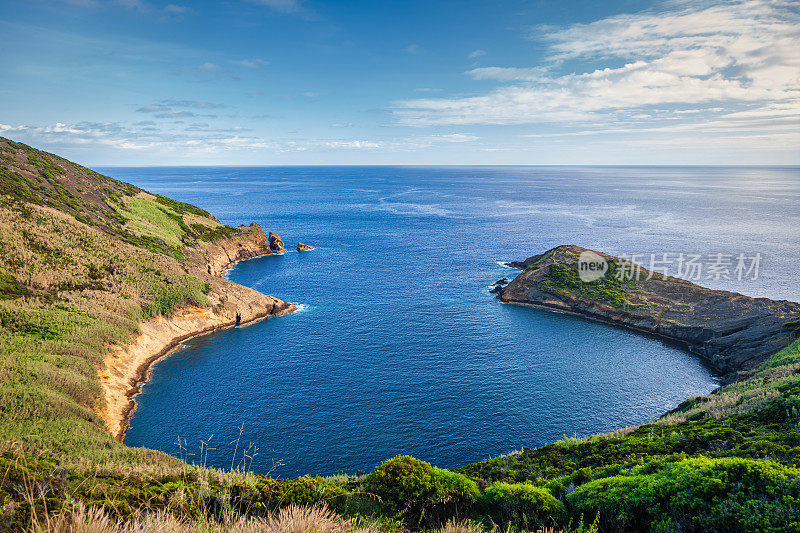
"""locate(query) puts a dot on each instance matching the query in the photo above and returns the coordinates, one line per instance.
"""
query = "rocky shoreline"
(127, 367)
(733, 333)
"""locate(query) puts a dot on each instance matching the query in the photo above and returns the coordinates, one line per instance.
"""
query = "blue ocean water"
(400, 349)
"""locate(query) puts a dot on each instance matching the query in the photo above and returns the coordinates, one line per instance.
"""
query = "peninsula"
(730, 331)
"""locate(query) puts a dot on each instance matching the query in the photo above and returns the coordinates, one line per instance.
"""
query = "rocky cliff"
(731, 331)
(216, 257)
(125, 367)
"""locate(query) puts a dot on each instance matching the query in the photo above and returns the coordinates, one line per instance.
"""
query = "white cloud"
(475, 54)
(197, 137)
(197, 104)
(354, 144)
(509, 73)
(723, 57)
(454, 138)
(174, 12)
(175, 114)
(285, 6)
(175, 9)
(414, 49)
(166, 108)
(207, 71)
(207, 67)
(250, 63)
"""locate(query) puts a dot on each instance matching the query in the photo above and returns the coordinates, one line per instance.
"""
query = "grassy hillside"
(85, 258)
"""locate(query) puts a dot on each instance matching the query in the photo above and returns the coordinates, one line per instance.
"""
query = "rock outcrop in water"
(275, 243)
(249, 242)
(731, 331)
(304, 247)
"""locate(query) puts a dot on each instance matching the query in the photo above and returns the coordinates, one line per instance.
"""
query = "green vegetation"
(10, 288)
(167, 224)
(523, 505)
(147, 217)
(724, 462)
(794, 325)
(720, 463)
(182, 207)
(73, 283)
(84, 259)
(609, 289)
(696, 494)
(420, 494)
(156, 223)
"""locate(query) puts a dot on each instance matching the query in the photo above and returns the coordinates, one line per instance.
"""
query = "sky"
(307, 82)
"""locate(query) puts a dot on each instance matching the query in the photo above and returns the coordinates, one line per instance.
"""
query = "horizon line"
(587, 165)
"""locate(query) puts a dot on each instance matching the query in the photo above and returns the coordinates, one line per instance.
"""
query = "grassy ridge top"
(151, 221)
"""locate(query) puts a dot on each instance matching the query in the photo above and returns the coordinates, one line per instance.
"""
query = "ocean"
(399, 348)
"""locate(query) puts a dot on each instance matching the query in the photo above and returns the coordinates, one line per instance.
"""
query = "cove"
(399, 348)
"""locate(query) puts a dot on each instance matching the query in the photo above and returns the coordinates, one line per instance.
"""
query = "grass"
(147, 217)
(156, 223)
(609, 288)
(72, 288)
(175, 223)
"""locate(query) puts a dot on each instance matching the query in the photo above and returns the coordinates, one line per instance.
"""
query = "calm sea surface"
(400, 349)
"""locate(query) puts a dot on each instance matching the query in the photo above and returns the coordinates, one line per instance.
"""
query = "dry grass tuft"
(463, 526)
(292, 519)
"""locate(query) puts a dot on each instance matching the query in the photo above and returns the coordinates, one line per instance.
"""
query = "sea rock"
(275, 243)
(497, 286)
(304, 247)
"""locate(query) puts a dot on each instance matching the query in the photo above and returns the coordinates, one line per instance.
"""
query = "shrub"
(522, 505)
(302, 491)
(421, 494)
(169, 298)
(697, 494)
(609, 288)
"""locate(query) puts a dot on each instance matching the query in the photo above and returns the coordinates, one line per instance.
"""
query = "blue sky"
(143, 82)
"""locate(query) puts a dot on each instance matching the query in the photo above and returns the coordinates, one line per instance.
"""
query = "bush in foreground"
(522, 505)
(697, 494)
(423, 495)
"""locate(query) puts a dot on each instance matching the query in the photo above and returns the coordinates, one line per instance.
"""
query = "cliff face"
(214, 258)
(125, 367)
(731, 331)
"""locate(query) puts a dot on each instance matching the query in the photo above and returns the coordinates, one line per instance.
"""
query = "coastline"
(730, 332)
(126, 367)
